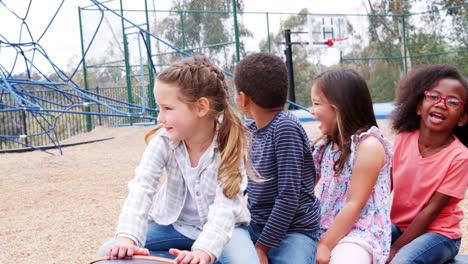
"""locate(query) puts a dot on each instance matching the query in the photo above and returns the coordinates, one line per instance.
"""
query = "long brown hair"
(347, 91)
(196, 77)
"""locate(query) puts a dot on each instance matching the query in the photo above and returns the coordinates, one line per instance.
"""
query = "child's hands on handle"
(190, 257)
(125, 247)
(323, 254)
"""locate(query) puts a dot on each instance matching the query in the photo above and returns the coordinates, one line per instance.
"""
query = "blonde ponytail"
(232, 144)
(152, 132)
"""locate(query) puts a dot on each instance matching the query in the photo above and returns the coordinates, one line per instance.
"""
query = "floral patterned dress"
(372, 230)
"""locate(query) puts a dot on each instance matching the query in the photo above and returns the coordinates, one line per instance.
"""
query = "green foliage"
(426, 38)
(198, 30)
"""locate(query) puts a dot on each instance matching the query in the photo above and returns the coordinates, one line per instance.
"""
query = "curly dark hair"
(410, 93)
(264, 78)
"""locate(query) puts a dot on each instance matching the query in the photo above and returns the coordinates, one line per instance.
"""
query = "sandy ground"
(60, 209)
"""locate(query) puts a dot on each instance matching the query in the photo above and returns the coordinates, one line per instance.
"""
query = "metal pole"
(99, 107)
(236, 30)
(89, 124)
(127, 64)
(182, 29)
(142, 78)
(25, 125)
(289, 64)
(405, 66)
(268, 31)
(152, 103)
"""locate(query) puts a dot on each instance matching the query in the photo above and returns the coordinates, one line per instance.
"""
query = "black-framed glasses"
(435, 98)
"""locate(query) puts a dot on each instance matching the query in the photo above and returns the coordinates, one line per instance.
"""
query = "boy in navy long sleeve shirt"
(284, 209)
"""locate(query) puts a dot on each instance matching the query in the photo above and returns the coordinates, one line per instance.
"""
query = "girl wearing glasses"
(430, 165)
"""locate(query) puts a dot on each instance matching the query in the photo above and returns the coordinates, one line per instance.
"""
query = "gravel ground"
(61, 208)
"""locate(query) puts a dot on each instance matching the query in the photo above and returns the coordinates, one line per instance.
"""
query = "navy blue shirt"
(281, 153)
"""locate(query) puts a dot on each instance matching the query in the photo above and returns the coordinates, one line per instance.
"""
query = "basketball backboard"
(327, 31)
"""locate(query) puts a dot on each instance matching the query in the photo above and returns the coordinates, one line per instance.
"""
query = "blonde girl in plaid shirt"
(199, 214)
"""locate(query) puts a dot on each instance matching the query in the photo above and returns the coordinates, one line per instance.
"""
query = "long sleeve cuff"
(129, 236)
(212, 257)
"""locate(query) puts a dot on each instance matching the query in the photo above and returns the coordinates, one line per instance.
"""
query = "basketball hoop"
(327, 31)
(329, 42)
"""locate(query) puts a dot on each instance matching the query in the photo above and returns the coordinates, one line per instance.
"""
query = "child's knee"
(350, 253)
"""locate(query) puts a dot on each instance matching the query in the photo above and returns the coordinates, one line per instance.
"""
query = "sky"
(314, 6)
(62, 40)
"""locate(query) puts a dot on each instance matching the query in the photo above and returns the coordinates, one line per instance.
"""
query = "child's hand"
(262, 257)
(393, 251)
(262, 252)
(190, 257)
(125, 247)
(323, 254)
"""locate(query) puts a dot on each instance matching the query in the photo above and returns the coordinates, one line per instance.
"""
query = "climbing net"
(40, 107)
(37, 104)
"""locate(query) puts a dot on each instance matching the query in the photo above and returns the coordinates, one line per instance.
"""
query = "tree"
(449, 28)
(388, 31)
(433, 32)
(203, 28)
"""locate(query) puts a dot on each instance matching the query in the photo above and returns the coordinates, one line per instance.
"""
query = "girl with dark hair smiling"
(353, 160)
(430, 165)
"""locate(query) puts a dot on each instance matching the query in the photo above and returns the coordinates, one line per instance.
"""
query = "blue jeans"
(428, 248)
(160, 238)
(297, 248)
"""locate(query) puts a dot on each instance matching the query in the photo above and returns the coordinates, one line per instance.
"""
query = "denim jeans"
(297, 248)
(428, 248)
(160, 238)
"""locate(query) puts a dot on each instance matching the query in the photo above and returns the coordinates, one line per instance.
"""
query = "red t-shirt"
(416, 179)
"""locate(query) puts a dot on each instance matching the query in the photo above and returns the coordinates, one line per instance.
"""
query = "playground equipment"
(322, 32)
(47, 105)
(40, 107)
(133, 260)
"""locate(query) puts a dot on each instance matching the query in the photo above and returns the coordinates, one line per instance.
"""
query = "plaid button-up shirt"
(218, 214)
